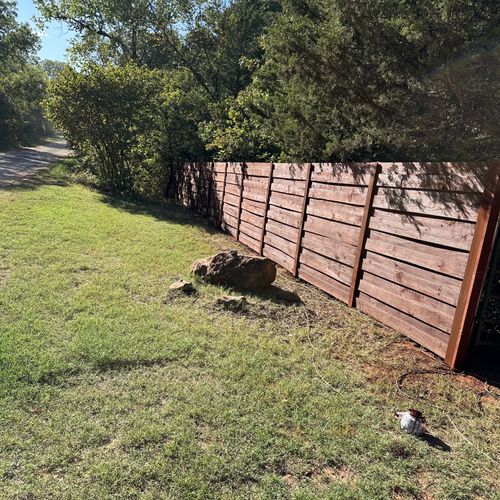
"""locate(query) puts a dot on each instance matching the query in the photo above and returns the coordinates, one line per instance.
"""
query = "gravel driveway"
(19, 165)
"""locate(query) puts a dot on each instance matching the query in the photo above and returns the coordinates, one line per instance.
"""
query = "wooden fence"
(406, 243)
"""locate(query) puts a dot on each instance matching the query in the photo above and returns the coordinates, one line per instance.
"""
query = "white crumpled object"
(412, 422)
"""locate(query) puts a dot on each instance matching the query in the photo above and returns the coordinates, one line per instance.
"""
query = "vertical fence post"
(266, 209)
(197, 183)
(305, 201)
(480, 253)
(210, 189)
(363, 232)
(240, 201)
(223, 195)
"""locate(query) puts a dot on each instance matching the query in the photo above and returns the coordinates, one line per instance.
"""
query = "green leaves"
(106, 114)
(22, 83)
(380, 79)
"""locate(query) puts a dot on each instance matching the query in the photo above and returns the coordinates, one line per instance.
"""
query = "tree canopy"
(22, 81)
(322, 80)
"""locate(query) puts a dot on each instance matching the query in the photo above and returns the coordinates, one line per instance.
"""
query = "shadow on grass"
(58, 378)
(163, 211)
(435, 442)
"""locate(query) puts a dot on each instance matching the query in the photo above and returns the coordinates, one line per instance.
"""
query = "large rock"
(239, 271)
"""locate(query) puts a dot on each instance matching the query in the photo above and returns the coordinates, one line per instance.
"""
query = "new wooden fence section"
(406, 243)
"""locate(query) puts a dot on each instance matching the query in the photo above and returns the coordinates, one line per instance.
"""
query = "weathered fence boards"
(398, 241)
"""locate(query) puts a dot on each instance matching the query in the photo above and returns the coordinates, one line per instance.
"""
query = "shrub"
(110, 116)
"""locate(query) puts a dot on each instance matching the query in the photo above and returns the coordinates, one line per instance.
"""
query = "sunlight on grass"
(111, 386)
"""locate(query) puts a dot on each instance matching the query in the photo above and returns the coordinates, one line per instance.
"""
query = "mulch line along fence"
(406, 243)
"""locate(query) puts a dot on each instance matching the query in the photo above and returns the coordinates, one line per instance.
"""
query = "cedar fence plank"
(332, 229)
(440, 286)
(422, 307)
(462, 206)
(337, 250)
(444, 232)
(427, 336)
(320, 280)
(288, 232)
(339, 212)
(446, 261)
(351, 195)
(331, 268)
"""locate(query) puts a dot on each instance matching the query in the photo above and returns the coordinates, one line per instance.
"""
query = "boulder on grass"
(245, 272)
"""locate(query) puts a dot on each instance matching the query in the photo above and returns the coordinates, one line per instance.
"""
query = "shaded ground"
(21, 164)
(112, 387)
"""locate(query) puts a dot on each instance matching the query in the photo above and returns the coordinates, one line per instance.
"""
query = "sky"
(55, 39)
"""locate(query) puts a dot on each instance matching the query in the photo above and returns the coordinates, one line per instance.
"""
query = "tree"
(52, 68)
(17, 42)
(22, 83)
(379, 79)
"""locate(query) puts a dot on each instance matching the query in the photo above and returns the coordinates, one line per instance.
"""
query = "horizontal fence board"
(235, 168)
(230, 210)
(335, 211)
(230, 219)
(446, 261)
(258, 186)
(288, 232)
(288, 201)
(452, 234)
(331, 229)
(297, 171)
(426, 335)
(460, 206)
(288, 187)
(352, 195)
(337, 250)
(229, 229)
(442, 287)
(285, 216)
(254, 195)
(331, 268)
(250, 218)
(282, 244)
(413, 303)
(433, 177)
(257, 169)
(255, 207)
(323, 282)
(339, 173)
(219, 166)
(232, 189)
(249, 241)
(277, 256)
(250, 229)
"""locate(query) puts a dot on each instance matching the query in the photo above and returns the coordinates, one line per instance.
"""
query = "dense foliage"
(22, 81)
(290, 79)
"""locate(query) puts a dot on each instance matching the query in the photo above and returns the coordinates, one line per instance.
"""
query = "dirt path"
(19, 165)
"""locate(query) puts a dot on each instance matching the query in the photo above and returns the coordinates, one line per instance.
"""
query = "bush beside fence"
(407, 243)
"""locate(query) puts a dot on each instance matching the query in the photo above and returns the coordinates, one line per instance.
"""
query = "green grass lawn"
(112, 387)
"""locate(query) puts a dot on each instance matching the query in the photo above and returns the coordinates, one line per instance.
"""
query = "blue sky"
(54, 40)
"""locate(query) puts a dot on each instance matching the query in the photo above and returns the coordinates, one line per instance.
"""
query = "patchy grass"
(110, 386)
